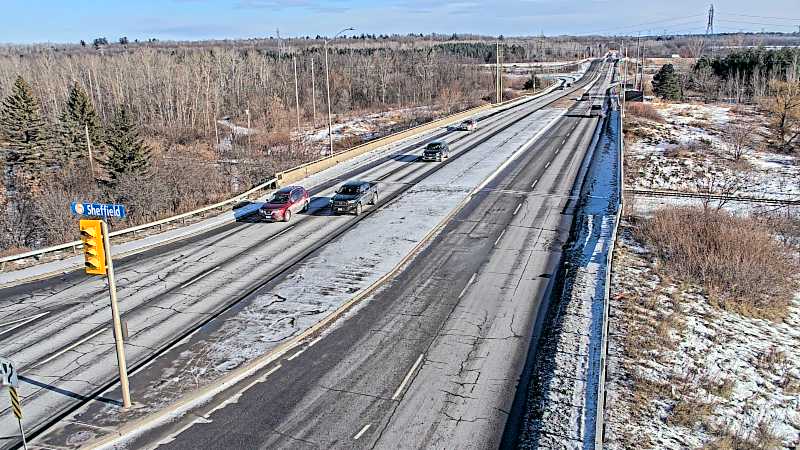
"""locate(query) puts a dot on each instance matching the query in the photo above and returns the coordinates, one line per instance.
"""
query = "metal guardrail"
(78, 244)
(701, 195)
(272, 182)
(599, 436)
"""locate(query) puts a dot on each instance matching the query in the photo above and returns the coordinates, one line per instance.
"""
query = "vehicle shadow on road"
(407, 158)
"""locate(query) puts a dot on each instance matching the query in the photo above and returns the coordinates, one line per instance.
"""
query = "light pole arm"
(328, 90)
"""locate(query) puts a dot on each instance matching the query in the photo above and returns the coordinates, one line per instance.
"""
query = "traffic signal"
(92, 237)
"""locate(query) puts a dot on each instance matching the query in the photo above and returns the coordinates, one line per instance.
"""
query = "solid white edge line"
(517, 209)
(408, 377)
(260, 379)
(361, 433)
(198, 278)
(65, 350)
(499, 237)
(296, 354)
(20, 324)
(24, 319)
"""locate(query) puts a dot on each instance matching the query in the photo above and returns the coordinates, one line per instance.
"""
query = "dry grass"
(644, 110)
(761, 437)
(742, 266)
(690, 412)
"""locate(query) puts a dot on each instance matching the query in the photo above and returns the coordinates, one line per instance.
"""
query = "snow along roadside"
(320, 289)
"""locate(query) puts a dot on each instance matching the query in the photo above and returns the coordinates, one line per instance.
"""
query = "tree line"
(151, 119)
(770, 78)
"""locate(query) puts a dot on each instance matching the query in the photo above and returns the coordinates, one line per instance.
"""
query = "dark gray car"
(352, 196)
(436, 151)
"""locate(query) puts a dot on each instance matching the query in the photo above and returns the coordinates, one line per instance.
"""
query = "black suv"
(436, 151)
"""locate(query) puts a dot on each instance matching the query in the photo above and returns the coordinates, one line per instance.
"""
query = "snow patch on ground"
(338, 272)
(687, 153)
(563, 408)
(683, 373)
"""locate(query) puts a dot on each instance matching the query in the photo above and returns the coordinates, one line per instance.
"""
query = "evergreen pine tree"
(76, 118)
(24, 131)
(126, 152)
(666, 84)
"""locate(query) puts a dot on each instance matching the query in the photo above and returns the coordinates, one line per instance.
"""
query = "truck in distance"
(352, 196)
(436, 151)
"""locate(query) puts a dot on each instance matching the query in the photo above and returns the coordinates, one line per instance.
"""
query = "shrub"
(643, 110)
(741, 265)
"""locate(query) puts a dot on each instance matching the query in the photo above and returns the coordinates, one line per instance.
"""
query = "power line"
(764, 17)
(634, 26)
(757, 23)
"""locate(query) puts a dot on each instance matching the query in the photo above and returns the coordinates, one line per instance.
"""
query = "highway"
(57, 328)
(433, 359)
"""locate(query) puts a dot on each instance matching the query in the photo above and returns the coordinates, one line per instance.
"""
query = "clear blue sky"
(25, 21)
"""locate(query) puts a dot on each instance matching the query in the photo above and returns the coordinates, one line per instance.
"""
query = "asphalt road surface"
(433, 359)
(64, 347)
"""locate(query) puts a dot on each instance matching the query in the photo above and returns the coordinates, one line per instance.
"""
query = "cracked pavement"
(433, 359)
(67, 353)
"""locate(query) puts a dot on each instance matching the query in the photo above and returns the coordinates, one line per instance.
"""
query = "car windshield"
(280, 198)
(348, 190)
(434, 146)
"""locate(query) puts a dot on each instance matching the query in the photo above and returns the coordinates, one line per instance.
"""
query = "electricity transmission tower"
(710, 26)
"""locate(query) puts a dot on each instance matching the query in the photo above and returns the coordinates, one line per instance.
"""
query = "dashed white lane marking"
(20, 322)
(564, 141)
(361, 433)
(296, 354)
(533, 185)
(466, 286)
(199, 277)
(499, 237)
(517, 209)
(408, 377)
(281, 232)
(548, 164)
(65, 350)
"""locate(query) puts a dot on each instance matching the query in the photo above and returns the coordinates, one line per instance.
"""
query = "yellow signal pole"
(97, 252)
(112, 290)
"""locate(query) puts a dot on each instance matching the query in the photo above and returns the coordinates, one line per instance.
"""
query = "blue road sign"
(98, 210)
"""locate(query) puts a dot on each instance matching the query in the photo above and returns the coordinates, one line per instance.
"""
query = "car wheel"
(287, 216)
(359, 209)
(374, 199)
(305, 207)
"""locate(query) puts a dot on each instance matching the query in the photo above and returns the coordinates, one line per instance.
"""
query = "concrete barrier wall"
(298, 173)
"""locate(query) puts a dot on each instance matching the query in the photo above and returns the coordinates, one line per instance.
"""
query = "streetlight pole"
(328, 88)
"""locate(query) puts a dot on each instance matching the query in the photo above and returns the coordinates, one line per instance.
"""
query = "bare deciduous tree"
(738, 138)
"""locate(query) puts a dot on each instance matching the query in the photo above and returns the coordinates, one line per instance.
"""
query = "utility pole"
(89, 149)
(636, 72)
(328, 88)
(247, 112)
(624, 80)
(497, 79)
(296, 92)
(313, 93)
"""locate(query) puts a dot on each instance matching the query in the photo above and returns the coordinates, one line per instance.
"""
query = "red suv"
(284, 203)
